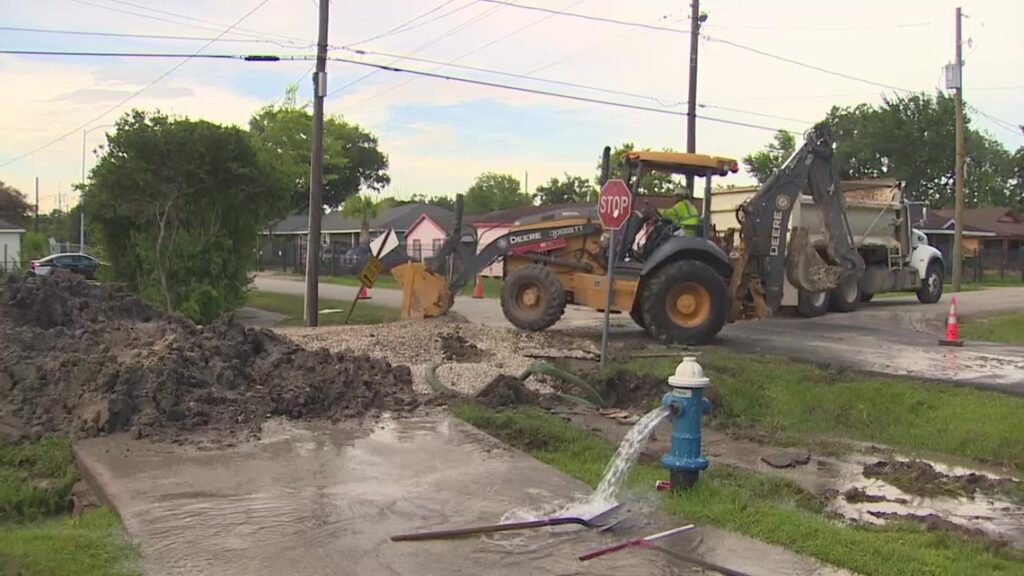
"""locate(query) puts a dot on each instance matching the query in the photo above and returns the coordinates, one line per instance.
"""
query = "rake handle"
(458, 532)
(613, 548)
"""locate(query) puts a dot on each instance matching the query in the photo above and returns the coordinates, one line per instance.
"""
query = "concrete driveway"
(895, 335)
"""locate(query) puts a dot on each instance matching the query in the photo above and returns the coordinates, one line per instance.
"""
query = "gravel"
(418, 345)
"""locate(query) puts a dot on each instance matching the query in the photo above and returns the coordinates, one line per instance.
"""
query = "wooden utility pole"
(316, 172)
(691, 101)
(958, 217)
(37, 204)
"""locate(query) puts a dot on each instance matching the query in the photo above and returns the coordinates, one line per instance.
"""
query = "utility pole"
(696, 18)
(37, 204)
(958, 217)
(81, 211)
(316, 170)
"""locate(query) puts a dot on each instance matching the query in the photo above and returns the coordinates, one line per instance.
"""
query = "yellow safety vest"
(684, 215)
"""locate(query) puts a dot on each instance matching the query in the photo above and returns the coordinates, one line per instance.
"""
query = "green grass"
(292, 306)
(757, 505)
(35, 482)
(782, 401)
(35, 478)
(491, 286)
(93, 544)
(1008, 328)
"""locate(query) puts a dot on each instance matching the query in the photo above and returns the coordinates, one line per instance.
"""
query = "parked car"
(78, 263)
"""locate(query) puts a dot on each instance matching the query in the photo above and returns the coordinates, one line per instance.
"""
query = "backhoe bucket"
(424, 294)
(805, 268)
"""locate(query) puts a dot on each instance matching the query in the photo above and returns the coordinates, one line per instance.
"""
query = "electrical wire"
(218, 25)
(131, 54)
(137, 92)
(407, 25)
(130, 35)
(1015, 129)
(589, 17)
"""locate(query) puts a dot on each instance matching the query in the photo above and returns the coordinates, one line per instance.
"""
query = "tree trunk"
(364, 231)
(161, 268)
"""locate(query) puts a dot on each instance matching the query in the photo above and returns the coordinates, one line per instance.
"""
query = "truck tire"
(866, 297)
(532, 298)
(684, 302)
(931, 287)
(812, 304)
(846, 297)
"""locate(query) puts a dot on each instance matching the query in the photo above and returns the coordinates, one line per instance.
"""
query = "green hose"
(540, 367)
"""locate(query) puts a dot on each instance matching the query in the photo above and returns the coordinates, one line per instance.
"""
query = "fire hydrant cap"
(689, 374)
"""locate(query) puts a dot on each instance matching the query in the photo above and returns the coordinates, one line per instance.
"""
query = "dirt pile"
(625, 389)
(506, 390)
(89, 359)
(456, 348)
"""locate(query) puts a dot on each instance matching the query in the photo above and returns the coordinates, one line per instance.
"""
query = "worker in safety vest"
(683, 213)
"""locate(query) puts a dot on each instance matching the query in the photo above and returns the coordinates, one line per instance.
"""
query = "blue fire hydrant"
(686, 403)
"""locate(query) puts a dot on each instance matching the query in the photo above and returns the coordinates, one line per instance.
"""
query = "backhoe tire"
(846, 297)
(931, 287)
(866, 297)
(684, 302)
(812, 304)
(532, 298)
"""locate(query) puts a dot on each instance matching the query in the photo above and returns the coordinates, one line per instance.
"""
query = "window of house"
(437, 246)
(417, 250)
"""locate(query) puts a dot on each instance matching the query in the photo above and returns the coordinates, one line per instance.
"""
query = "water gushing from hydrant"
(607, 492)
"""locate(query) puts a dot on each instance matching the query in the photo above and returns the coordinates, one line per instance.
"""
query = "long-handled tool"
(645, 542)
(596, 521)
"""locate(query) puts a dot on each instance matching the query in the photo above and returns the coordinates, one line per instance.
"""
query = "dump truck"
(680, 289)
(896, 256)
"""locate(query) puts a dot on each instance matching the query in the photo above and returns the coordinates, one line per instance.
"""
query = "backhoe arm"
(765, 222)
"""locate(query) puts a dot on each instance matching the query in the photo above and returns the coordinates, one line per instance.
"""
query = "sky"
(440, 134)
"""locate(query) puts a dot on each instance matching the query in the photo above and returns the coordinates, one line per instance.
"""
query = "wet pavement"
(319, 500)
(830, 477)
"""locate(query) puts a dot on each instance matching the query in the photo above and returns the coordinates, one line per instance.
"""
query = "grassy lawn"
(1008, 328)
(789, 402)
(757, 505)
(491, 286)
(35, 540)
(292, 305)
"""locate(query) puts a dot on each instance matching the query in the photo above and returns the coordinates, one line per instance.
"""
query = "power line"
(130, 35)
(1016, 129)
(178, 23)
(589, 17)
(210, 22)
(762, 114)
(407, 25)
(136, 54)
(137, 92)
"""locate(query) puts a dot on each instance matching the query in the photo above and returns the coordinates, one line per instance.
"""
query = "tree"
(911, 138)
(365, 208)
(1018, 178)
(13, 206)
(570, 190)
(445, 202)
(352, 161)
(493, 191)
(176, 206)
(652, 183)
(762, 164)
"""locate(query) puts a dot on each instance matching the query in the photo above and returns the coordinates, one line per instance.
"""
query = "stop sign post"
(614, 205)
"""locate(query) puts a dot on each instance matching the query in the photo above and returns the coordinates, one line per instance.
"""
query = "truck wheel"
(532, 298)
(866, 297)
(931, 287)
(812, 304)
(845, 297)
(684, 302)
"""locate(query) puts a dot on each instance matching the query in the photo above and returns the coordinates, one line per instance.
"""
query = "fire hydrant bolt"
(686, 404)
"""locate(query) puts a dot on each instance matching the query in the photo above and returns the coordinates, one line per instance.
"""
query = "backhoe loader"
(680, 289)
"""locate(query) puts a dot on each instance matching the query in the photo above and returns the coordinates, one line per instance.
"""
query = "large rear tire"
(532, 298)
(846, 297)
(931, 287)
(812, 304)
(684, 302)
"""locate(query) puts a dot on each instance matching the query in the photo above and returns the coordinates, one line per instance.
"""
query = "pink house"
(425, 236)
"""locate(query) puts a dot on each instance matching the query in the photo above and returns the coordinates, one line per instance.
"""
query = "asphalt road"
(896, 335)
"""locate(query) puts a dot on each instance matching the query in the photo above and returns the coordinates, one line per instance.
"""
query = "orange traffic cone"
(478, 289)
(363, 294)
(952, 332)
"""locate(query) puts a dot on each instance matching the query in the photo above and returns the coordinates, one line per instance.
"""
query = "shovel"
(645, 542)
(596, 521)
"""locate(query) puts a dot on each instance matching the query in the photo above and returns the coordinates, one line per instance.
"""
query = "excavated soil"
(506, 390)
(456, 348)
(625, 389)
(88, 359)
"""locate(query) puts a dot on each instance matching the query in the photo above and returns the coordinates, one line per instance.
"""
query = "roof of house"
(6, 226)
(938, 223)
(398, 217)
(1004, 222)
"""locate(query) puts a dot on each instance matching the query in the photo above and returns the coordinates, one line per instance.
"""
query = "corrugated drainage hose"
(539, 367)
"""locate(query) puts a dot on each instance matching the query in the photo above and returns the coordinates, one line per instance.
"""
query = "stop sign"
(614, 204)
